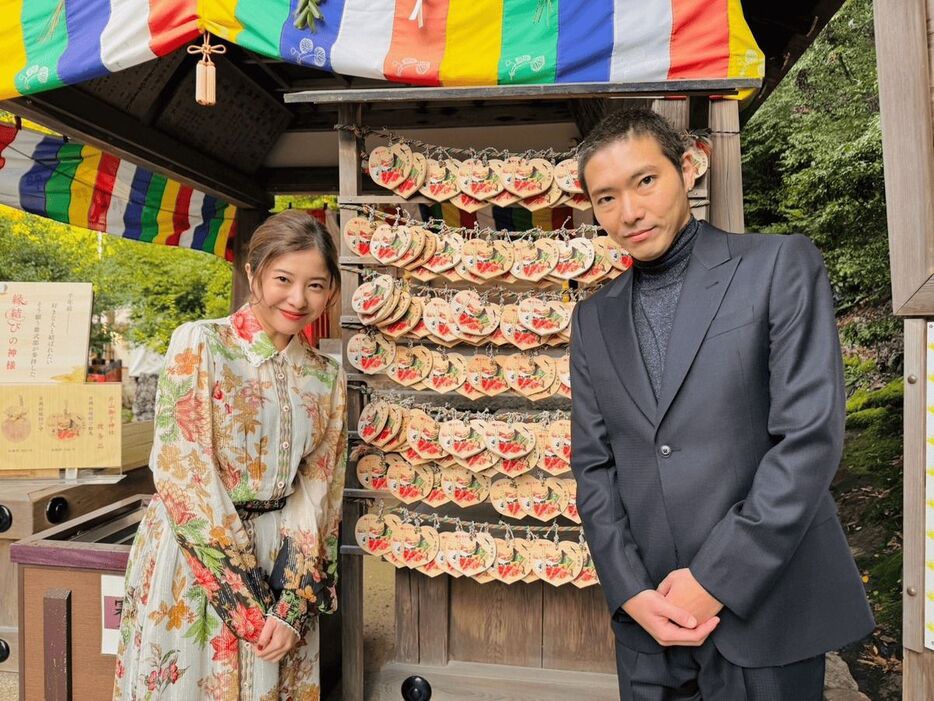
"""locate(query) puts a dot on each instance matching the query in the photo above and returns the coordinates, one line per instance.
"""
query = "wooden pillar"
(247, 221)
(56, 636)
(726, 168)
(675, 110)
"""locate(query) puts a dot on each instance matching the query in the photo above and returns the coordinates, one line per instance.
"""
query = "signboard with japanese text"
(45, 331)
(60, 426)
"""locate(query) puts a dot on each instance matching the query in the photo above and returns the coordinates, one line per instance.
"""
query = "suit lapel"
(705, 282)
(619, 334)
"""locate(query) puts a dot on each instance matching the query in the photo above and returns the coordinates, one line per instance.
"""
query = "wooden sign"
(60, 426)
(45, 331)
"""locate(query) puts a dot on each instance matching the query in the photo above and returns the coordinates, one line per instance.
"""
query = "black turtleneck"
(656, 286)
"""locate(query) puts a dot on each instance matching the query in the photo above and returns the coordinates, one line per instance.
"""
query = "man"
(707, 425)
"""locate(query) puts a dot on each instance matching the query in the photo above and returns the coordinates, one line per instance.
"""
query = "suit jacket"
(728, 472)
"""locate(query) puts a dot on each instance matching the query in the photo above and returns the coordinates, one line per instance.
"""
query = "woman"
(237, 552)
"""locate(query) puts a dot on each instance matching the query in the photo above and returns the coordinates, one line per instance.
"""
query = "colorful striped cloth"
(82, 186)
(424, 42)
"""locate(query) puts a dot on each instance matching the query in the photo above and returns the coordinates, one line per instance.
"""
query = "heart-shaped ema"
(486, 375)
(437, 496)
(556, 563)
(370, 354)
(588, 575)
(373, 418)
(513, 561)
(601, 263)
(448, 253)
(544, 500)
(526, 178)
(374, 534)
(407, 322)
(440, 180)
(529, 376)
(371, 472)
(508, 440)
(478, 179)
(442, 561)
(515, 333)
(466, 203)
(472, 315)
(414, 546)
(558, 439)
(504, 496)
(570, 511)
(541, 317)
(389, 243)
(486, 259)
(574, 257)
(579, 202)
(567, 177)
(472, 554)
(550, 198)
(432, 241)
(480, 462)
(423, 435)
(408, 483)
(439, 319)
(563, 366)
(448, 372)
(391, 430)
(388, 165)
(417, 238)
(464, 487)
(415, 177)
(357, 234)
(619, 256)
(386, 311)
(533, 260)
(461, 438)
(411, 365)
(372, 295)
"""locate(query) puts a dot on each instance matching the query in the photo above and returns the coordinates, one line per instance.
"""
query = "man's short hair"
(623, 124)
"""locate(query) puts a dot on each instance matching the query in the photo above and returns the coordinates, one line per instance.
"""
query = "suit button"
(665, 450)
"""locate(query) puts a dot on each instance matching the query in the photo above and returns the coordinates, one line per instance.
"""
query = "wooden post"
(675, 110)
(247, 221)
(56, 634)
(726, 167)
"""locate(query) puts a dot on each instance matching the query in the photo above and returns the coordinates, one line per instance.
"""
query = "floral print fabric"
(236, 421)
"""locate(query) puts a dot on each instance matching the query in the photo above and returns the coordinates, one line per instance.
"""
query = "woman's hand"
(275, 641)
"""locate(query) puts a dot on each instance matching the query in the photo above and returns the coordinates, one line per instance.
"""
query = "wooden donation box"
(70, 589)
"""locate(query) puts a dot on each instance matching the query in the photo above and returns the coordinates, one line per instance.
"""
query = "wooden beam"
(726, 167)
(914, 444)
(907, 138)
(56, 637)
(300, 181)
(89, 120)
(557, 91)
(247, 221)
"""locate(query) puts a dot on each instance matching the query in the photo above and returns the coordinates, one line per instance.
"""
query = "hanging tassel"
(418, 14)
(205, 79)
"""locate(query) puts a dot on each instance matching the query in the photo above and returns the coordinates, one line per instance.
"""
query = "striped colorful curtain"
(83, 186)
(48, 43)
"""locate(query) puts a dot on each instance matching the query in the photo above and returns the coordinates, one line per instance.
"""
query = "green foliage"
(813, 158)
(889, 396)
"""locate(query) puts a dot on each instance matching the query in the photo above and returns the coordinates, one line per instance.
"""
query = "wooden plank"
(433, 623)
(496, 623)
(558, 91)
(56, 633)
(917, 334)
(91, 121)
(576, 632)
(726, 167)
(406, 616)
(907, 143)
(247, 222)
(675, 110)
(351, 604)
(468, 681)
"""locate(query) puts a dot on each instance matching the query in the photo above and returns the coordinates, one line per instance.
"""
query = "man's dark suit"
(728, 472)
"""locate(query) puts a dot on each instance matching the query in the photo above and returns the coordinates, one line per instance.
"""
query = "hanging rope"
(205, 79)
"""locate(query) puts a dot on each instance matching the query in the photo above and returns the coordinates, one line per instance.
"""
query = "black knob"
(4, 651)
(6, 519)
(56, 510)
(416, 689)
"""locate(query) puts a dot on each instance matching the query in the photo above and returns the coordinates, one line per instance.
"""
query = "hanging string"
(205, 79)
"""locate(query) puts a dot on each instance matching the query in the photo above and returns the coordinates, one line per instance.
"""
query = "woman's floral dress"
(236, 421)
